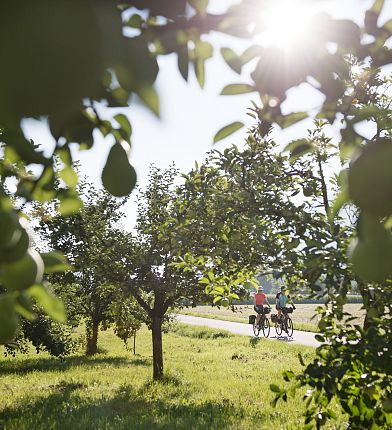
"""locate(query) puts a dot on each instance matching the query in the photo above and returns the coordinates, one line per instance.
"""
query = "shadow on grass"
(283, 338)
(253, 341)
(66, 408)
(48, 364)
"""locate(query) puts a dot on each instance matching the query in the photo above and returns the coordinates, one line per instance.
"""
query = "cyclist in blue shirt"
(281, 300)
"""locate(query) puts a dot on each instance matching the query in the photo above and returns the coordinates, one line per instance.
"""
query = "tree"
(153, 280)
(249, 218)
(312, 259)
(95, 245)
(128, 317)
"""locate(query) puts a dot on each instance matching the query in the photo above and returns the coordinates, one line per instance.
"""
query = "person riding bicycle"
(281, 301)
(259, 301)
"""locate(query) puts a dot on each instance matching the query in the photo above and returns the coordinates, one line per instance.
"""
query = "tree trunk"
(92, 337)
(134, 343)
(157, 355)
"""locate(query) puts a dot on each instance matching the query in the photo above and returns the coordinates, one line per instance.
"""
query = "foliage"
(251, 218)
(45, 335)
(93, 242)
(128, 317)
(312, 256)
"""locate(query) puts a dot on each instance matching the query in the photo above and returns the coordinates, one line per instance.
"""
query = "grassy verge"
(214, 380)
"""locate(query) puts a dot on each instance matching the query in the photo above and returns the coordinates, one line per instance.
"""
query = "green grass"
(214, 380)
(302, 316)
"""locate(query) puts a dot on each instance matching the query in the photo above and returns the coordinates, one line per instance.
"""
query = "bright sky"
(191, 116)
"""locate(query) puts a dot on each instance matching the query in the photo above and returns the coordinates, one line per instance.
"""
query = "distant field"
(215, 380)
(302, 316)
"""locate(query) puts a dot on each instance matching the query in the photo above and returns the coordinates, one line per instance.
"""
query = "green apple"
(18, 250)
(370, 178)
(24, 272)
(9, 231)
(225, 302)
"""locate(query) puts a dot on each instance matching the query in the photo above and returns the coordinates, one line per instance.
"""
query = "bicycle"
(285, 323)
(263, 324)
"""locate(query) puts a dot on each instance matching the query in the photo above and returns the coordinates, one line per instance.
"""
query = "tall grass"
(214, 380)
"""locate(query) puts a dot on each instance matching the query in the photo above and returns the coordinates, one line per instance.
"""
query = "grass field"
(302, 316)
(214, 380)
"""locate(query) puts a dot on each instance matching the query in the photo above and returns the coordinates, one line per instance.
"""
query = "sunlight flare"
(285, 23)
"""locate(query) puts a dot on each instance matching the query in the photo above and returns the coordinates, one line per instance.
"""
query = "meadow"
(303, 317)
(214, 380)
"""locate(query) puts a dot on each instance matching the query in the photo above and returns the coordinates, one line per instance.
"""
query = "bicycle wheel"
(278, 328)
(266, 327)
(289, 327)
(256, 329)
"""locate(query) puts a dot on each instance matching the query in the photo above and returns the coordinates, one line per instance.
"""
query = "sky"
(191, 116)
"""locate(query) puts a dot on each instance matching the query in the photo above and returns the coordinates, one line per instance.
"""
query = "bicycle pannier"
(252, 319)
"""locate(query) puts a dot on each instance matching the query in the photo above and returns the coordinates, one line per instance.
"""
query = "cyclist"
(281, 301)
(259, 302)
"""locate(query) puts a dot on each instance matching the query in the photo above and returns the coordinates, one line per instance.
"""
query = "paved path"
(299, 337)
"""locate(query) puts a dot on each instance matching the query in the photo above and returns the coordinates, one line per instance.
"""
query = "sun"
(285, 22)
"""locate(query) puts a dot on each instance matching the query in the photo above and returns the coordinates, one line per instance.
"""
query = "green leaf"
(65, 155)
(69, 176)
(298, 148)
(387, 405)
(292, 118)
(69, 206)
(124, 124)
(135, 21)
(233, 89)
(275, 388)
(199, 5)
(24, 306)
(50, 304)
(250, 53)
(200, 72)
(183, 61)
(388, 26)
(377, 6)
(149, 96)
(228, 130)
(54, 262)
(203, 50)
(340, 200)
(232, 59)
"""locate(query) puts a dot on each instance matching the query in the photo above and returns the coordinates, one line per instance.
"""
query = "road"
(299, 337)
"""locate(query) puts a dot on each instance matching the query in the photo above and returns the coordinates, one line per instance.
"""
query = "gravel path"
(300, 337)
